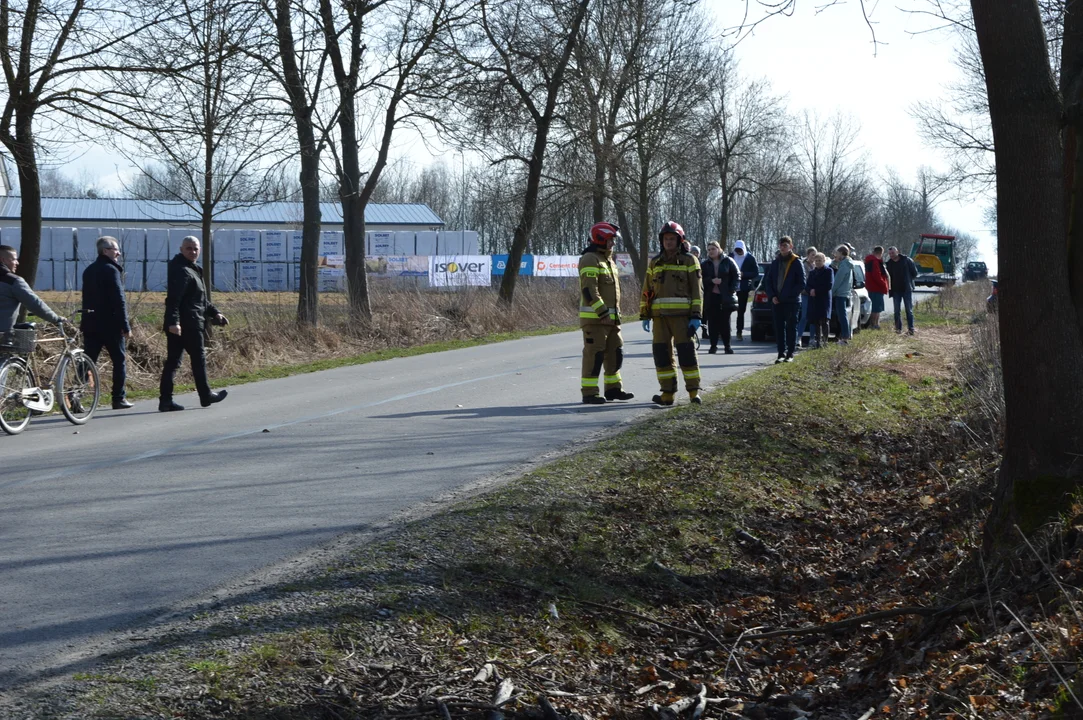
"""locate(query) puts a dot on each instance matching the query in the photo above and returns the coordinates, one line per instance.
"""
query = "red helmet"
(601, 233)
(671, 227)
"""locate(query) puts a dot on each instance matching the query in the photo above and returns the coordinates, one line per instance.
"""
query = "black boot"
(213, 398)
(618, 395)
(168, 406)
(593, 400)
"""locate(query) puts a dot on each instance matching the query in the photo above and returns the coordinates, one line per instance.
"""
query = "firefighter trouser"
(602, 348)
(670, 333)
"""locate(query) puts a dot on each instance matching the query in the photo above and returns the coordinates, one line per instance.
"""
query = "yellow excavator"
(935, 257)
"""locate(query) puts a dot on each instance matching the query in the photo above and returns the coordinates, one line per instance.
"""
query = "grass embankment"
(961, 304)
(264, 340)
(803, 544)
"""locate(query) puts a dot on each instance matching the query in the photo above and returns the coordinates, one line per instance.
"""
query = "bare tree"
(298, 64)
(518, 52)
(745, 126)
(832, 172)
(1039, 158)
(208, 124)
(49, 51)
(404, 32)
(668, 84)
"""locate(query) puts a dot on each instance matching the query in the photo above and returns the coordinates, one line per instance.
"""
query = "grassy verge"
(637, 573)
(280, 371)
(961, 304)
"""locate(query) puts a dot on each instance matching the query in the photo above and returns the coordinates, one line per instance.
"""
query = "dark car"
(975, 270)
(992, 303)
(763, 322)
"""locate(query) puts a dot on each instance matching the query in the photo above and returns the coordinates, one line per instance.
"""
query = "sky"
(822, 59)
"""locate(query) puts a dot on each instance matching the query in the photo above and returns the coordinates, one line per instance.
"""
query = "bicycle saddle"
(25, 326)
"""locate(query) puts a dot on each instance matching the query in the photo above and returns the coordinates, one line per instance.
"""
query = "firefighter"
(599, 316)
(673, 298)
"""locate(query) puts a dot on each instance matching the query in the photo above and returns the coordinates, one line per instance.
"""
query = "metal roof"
(106, 210)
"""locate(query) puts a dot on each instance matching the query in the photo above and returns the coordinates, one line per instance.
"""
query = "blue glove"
(693, 326)
(647, 325)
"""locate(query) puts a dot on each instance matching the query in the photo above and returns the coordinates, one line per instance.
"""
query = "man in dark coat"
(901, 272)
(721, 278)
(783, 282)
(186, 314)
(750, 275)
(105, 314)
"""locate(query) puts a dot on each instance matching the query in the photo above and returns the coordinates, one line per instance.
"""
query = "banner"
(500, 263)
(408, 266)
(624, 264)
(460, 270)
(556, 265)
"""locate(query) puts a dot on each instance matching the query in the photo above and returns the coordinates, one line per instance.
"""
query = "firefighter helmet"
(601, 233)
(671, 227)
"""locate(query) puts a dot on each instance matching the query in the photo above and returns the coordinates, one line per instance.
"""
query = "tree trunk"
(353, 218)
(1071, 84)
(307, 294)
(26, 161)
(207, 208)
(1042, 348)
(308, 298)
(542, 122)
(529, 214)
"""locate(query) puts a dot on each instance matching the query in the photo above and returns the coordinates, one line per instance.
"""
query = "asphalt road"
(139, 512)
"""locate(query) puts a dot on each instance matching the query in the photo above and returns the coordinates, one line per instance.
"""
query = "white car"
(861, 305)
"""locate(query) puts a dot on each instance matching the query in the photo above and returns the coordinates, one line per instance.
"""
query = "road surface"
(112, 524)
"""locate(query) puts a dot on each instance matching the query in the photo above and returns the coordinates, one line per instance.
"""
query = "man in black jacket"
(186, 312)
(105, 313)
(901, 271)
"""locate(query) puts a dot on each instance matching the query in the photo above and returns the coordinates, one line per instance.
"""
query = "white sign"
(556, 265)
(248, 276)
(274, 246)
(460, 270)
(295, 242)
(624, 264)
(248, 245)
(383, 243)
(275, 277)
(331, 242)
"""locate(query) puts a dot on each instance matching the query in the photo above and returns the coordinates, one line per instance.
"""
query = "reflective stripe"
(591, 271)
(690, 374)
(676, 300)
(612, 379)
(666, 374)
(598, 304)
(590, 382)
(674, 268)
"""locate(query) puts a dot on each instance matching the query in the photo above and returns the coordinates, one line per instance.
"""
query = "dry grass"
(263, 332)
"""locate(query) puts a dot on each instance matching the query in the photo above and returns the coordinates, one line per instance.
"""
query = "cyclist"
(14, 293)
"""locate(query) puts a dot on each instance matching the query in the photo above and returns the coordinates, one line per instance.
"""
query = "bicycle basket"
(24, 341)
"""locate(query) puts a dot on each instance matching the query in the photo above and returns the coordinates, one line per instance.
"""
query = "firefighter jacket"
(673, 287)
(599, 288)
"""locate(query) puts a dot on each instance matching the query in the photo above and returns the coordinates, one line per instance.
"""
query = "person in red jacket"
(877, 282)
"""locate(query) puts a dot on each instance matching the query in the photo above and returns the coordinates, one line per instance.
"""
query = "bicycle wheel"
(15, 378)
(77, 388)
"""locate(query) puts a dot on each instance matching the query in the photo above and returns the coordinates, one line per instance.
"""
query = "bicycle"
(74, 381)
